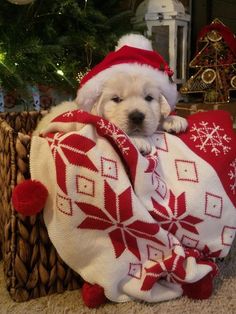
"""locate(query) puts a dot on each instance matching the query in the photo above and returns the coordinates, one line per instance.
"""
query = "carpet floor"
(222, 301)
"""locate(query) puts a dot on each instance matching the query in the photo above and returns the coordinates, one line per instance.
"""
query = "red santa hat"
(133, 54)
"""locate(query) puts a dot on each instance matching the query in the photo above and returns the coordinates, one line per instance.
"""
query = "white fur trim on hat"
(89, 93)
(134, 40)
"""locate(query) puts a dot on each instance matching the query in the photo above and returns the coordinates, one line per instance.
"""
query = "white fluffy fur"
(136, 93)
(134, 40)
(90, 92)
(132, 91)
(53, 113)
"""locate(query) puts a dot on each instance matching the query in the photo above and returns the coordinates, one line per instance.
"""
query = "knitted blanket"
(139, 226)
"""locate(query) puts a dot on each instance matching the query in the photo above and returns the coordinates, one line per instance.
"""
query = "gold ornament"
(219, 47)
(233, 81)
(208, 76)
(215, 63)
(184, 89)
(211, 96)
(214, 36)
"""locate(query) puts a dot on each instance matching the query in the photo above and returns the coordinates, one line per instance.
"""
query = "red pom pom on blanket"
(29, 197)
(93, 295)
(201, 289)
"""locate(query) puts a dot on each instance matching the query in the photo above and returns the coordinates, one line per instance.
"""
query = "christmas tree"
(215, 62)
(54, 42)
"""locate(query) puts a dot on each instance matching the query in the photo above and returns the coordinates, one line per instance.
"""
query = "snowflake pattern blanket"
(139, 226)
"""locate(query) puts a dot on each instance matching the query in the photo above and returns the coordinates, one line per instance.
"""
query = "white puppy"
(61, 108)
(132, 102)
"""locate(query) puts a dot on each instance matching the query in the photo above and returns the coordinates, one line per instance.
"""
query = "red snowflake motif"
(178, 217)
(206, 252)
(152, 163)
(189, 252)
(70, 149)
(172, 269)
(118, 213)
(204, 257)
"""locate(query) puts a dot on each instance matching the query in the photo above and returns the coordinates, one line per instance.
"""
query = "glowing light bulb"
(2, 57)
(60, 72)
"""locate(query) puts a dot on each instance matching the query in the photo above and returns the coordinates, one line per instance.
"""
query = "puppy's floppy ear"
(97, 107)
(165, 107)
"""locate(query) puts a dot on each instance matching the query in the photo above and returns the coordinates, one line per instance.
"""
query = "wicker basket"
(32, 266)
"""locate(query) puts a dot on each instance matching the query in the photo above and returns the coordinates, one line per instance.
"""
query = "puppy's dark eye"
(116, 99)
(148, 98)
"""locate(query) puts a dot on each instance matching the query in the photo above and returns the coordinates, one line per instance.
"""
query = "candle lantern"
(167, 25)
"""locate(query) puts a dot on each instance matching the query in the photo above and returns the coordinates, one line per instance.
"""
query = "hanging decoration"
(20, 2)
(215, 62)
(81, 74)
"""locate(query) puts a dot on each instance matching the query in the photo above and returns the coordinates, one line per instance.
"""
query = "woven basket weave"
(32, 266)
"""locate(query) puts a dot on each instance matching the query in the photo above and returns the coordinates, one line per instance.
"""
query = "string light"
(2, 57)
(60, 72)
(81, 74)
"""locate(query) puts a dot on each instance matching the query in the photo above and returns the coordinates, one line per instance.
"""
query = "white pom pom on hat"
(134, 40)
(134, 55)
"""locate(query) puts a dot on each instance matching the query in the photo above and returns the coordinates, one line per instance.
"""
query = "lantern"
(167, 25)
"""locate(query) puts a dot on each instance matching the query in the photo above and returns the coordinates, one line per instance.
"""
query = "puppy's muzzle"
(136, 117)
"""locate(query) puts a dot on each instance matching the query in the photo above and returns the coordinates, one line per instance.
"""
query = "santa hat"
(134, 55)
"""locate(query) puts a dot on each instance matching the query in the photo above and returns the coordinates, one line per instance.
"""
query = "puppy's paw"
(142, 144)
(175, 124)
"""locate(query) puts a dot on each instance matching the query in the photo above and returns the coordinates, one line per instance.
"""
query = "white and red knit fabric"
(139, 226)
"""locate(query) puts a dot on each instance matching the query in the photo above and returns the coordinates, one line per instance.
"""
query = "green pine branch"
(38, 40)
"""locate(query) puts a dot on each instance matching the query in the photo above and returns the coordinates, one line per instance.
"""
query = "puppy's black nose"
(136, 117)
